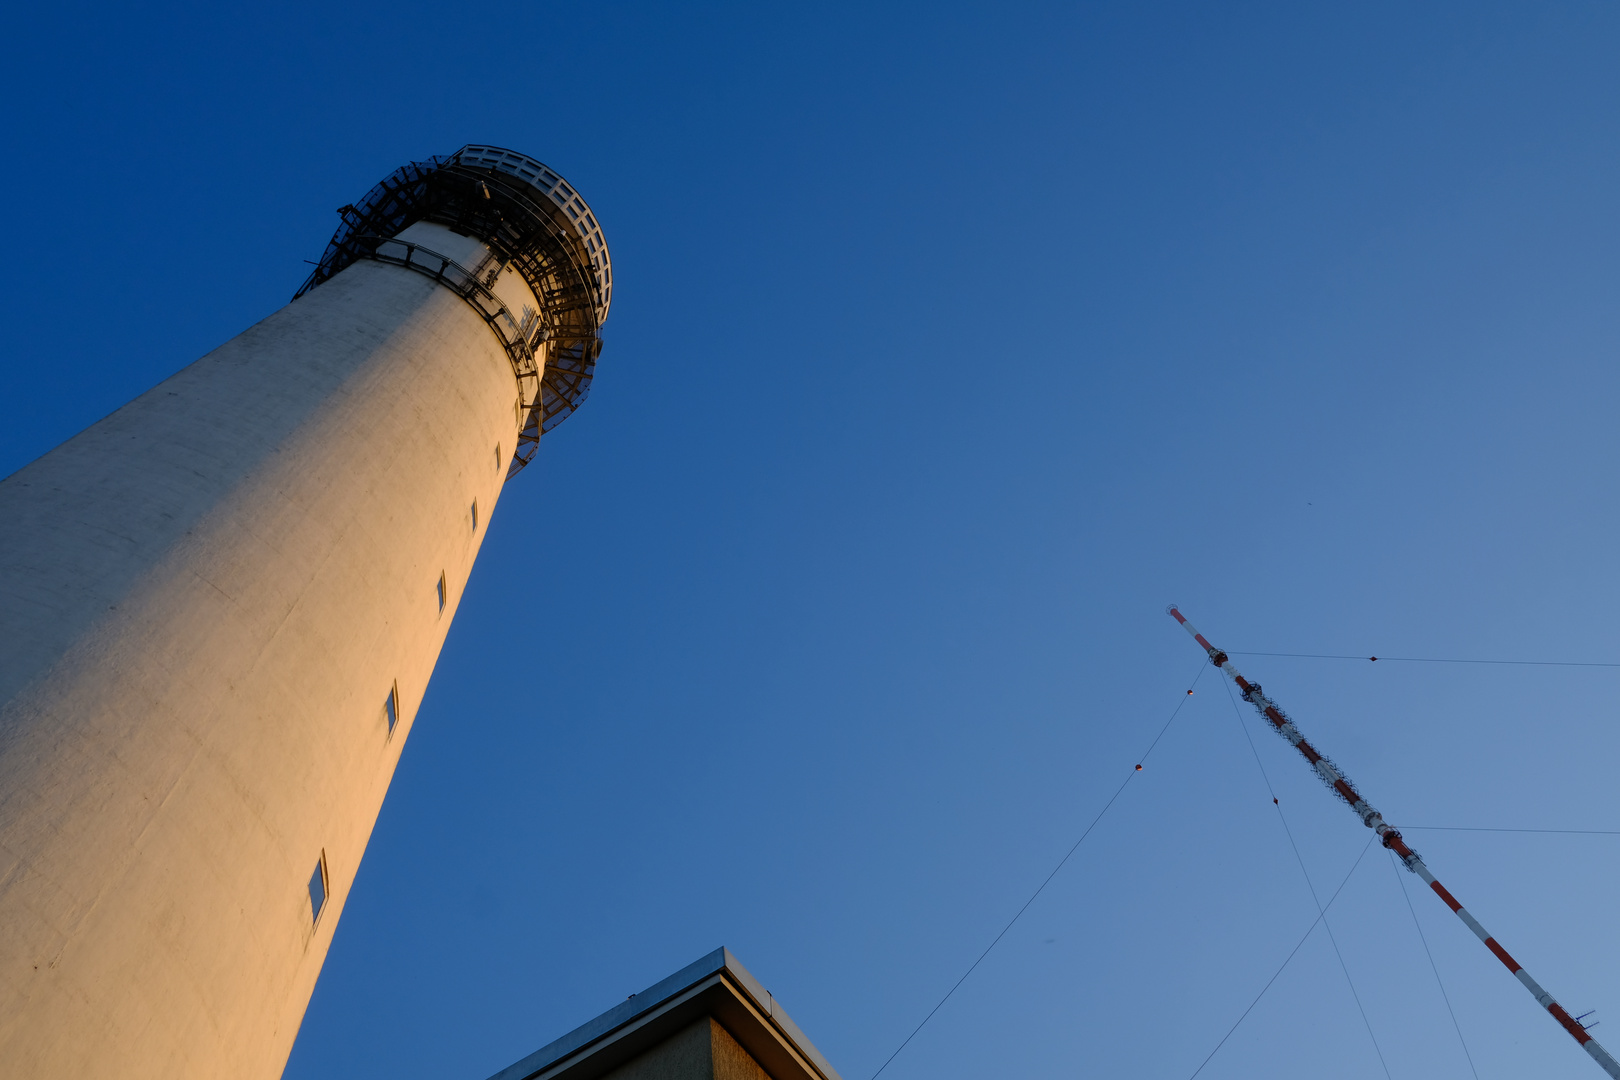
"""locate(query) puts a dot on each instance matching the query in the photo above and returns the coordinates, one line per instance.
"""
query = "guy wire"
(1279, 971)
(1238, 713)
(1432, 965)
(1202, 667)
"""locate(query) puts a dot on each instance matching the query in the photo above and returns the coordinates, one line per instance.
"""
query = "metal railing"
(555, 248)
(527, 365)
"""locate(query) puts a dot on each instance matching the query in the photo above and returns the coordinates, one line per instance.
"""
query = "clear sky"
(949, 344)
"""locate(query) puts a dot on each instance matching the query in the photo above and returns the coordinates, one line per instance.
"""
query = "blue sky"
(949, 344)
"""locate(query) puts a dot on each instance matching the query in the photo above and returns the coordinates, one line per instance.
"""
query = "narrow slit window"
(497, 457)
(317, 889)
(391, 707)
(444, 592)
(517, 412)
(475, 515)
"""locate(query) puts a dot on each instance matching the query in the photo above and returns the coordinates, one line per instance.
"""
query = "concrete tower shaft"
(221, 605)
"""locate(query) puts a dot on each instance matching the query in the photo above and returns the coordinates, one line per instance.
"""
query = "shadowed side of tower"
(220, 606)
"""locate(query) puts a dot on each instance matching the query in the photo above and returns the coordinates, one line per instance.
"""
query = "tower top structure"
(535, 223)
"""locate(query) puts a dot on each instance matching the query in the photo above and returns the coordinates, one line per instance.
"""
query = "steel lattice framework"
(534, 223)
(1331, 775)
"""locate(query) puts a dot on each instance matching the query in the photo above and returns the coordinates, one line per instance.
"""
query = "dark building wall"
(731, 1061)
(702, 1051)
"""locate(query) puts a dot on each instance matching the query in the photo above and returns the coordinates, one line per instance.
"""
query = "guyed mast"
(1391, 839)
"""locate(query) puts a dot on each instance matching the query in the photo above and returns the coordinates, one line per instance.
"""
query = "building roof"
(716, 986)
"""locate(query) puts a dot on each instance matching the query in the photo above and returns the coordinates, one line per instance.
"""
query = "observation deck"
(536, 224)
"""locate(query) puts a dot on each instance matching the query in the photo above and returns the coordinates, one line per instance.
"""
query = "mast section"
(1391, 838)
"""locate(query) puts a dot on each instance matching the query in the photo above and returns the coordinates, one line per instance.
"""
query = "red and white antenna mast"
(1392, 839)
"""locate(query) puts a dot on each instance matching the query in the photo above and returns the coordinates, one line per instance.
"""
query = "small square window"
(475, 515)
(391, 707)
(443, 592)
(317, 889)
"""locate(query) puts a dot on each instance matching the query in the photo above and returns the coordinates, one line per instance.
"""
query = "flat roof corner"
(717, 985)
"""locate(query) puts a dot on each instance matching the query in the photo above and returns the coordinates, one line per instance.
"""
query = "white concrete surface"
(204, 601)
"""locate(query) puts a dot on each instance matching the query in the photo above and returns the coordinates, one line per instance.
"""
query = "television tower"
(220, 607)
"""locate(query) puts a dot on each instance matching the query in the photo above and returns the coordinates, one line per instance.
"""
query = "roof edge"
(699, 986)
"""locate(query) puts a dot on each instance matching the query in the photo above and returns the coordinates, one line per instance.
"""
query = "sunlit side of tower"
(220, 606)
